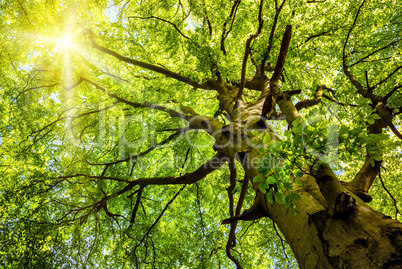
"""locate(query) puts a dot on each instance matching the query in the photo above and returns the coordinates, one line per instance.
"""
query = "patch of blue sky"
(112, 12)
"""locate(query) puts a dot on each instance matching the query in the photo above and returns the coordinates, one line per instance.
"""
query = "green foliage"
(49, 129)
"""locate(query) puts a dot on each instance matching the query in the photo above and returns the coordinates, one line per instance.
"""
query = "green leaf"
(266, 139)
(288, 185)
(258, 178)
(294, 196)
(372, 161)
(262, 188)
(375, 116)
(298, 173)
(377, 157)
(271, 180)
(296, 122)
(270, 196)
(279, 197)
(287, 201)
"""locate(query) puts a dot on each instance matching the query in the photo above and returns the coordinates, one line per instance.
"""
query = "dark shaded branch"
(365, 177)
(389, 75)
(256, 211)
(367, 82)
(395, 131)
(386, 97)
(232, 17)
(268, 103)
(159, 217)
(242, 196)
(35, 134)
(337, 102)
(294, 92)
(200, 210)
(316, 35)
(233, 174)
(352, 78)
(160, 19)
(33, 88)
(281, 239)
(230, 256)
(75, 84)
(137, 203)
(374, 52)
(271, 35)
(247, 51)
(391, 196)
(185, 159)
(232, 235)
(164, 142)
(311, 102)
(280, 63)
(333, 99)
(148, 66)
(89, 176)
(171, 112)
(189, 178)
(207, 19)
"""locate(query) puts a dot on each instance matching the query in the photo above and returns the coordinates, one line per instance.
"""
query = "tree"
(172, 134)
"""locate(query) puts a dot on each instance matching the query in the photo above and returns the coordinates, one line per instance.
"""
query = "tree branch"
(365, 177)
(391, 196)
(171, 112)
(137, 203)
(148, 66)
(233, 174)
(352, 78)
(33, 88)
(152, 147)
(189, 178)
(159, 217)
(271, 36)
(395, 131)
(316, 35)
(247, 51)
(373, 52)
(311, 102)
(386, 97)
(160, 19)
(389, 75)
(232, 16)
(268, 103)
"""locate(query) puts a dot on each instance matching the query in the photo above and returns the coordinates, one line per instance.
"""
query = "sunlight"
(65, 41)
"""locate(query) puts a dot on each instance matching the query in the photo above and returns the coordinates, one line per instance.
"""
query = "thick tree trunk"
(366, 239)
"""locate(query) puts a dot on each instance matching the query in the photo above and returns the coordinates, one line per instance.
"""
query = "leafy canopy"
(70, 136)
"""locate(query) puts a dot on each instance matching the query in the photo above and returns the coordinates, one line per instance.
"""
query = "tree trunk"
(321, 237)
(365, 239)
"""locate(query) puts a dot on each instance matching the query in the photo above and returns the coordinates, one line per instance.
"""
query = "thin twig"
(391, 196)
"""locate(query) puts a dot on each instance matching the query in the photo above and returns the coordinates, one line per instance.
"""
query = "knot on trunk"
(345, 204)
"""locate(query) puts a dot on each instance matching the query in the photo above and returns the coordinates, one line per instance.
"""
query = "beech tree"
(200, 134)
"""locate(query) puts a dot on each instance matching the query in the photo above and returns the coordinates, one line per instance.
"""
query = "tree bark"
(365, 239)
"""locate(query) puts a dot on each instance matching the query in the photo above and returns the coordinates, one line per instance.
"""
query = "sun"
(65, 41)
